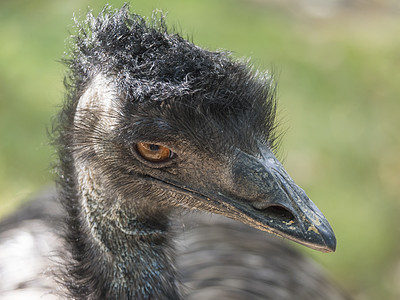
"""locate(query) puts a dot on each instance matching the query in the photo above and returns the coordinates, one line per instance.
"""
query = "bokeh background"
(338, 64)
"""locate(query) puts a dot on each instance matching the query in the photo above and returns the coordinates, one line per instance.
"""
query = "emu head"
(154, 123)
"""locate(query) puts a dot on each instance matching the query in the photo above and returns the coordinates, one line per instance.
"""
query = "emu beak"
(260, 193)
(276, 204)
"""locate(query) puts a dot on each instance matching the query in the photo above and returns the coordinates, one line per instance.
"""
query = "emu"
(152, 128)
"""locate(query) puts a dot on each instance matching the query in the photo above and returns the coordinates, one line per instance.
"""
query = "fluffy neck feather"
(115, 256)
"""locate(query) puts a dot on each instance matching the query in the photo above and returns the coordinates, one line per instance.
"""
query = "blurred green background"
(338, 65)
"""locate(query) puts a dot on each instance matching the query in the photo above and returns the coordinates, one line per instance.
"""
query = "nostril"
(278, 212)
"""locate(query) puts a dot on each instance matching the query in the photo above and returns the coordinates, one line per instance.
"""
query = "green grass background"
(339, 89)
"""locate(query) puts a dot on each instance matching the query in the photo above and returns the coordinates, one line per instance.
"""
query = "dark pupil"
(154, 147)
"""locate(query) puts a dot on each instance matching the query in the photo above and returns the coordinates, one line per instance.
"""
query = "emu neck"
(116, 256)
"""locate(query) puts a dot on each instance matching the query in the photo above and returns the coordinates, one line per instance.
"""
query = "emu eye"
(154, 152)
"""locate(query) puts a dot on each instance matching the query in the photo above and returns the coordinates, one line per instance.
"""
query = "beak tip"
(331, 243)
(329, 240)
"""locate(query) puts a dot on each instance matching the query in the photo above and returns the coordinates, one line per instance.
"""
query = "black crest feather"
(152, 65)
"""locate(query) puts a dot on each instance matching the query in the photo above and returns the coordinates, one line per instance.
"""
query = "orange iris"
(153, 152)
